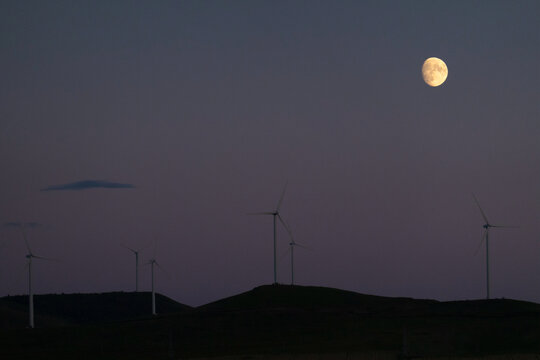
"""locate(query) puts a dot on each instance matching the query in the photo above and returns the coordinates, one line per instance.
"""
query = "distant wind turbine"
(485, 236)
(277, 215)
(292, 244)
(136, 253)
(153, 262)
(30, 256)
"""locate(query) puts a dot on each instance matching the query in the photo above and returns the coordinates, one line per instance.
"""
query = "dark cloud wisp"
(28, 225)
(88, 184)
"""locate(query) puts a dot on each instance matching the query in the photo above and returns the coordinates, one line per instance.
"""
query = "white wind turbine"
(485, 236)
(277, 215)
(30, 256)
(153, 262)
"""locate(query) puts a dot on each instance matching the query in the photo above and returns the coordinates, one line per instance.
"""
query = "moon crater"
(434, 71)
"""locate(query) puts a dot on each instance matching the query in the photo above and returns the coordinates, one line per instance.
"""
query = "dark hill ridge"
(274, 319)
(66, 309)
(334, 320)
(487, 308)
(62, 309)
(311, 297)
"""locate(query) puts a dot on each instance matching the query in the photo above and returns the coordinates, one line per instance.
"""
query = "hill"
(337, 320)
(312, 298)
(293, 320)
(63, 309)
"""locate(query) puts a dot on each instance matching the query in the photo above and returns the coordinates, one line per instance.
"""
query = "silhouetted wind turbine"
(136, 252)
(30, 256)
(485, 236)
(292, 244)
(275, 214)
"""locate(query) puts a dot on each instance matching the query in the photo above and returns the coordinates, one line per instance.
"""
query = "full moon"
(434, 71)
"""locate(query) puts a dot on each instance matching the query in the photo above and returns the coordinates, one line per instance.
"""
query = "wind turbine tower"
(292, 245)
(136, 253)
(30, 256)
(485, 236)
(153, 262)
(275, 215)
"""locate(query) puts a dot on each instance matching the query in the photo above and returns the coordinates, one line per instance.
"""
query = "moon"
(434, 71)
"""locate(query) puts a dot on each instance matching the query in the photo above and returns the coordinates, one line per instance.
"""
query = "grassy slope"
(285, 319)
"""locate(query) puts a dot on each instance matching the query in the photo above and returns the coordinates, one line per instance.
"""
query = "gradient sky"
(207, 108)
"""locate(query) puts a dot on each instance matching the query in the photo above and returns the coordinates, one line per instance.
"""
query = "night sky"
(161, 124)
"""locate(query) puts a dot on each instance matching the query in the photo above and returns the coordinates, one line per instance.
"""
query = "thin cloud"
(27, 225)
(88, 184)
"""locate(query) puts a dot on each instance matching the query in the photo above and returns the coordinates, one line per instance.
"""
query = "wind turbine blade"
(127, 247)
(44, 258)
(281, 198)
(302, 246)
(505, 226)
(25, 240)
(162, 269)
(481, 211)
(261, 213)
(481, 242)
(285, 226)
(159, 266)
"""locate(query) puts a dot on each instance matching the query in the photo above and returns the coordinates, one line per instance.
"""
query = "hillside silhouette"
(65, 309)
(274, 319)
(290, 297)
(313, 297)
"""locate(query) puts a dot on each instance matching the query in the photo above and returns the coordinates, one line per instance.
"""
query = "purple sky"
(208, 107)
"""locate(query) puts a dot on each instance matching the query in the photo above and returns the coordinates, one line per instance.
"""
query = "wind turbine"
(485, 236)
(292, 244)
(275, 214)
(30, 256)
(153, 262)
(136, 252)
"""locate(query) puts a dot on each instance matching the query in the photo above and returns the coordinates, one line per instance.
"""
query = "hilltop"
(312, 298)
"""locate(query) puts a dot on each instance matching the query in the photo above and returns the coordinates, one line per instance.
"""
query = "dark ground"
(274, 319)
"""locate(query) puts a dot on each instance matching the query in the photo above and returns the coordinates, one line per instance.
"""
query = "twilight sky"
(166, 122)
